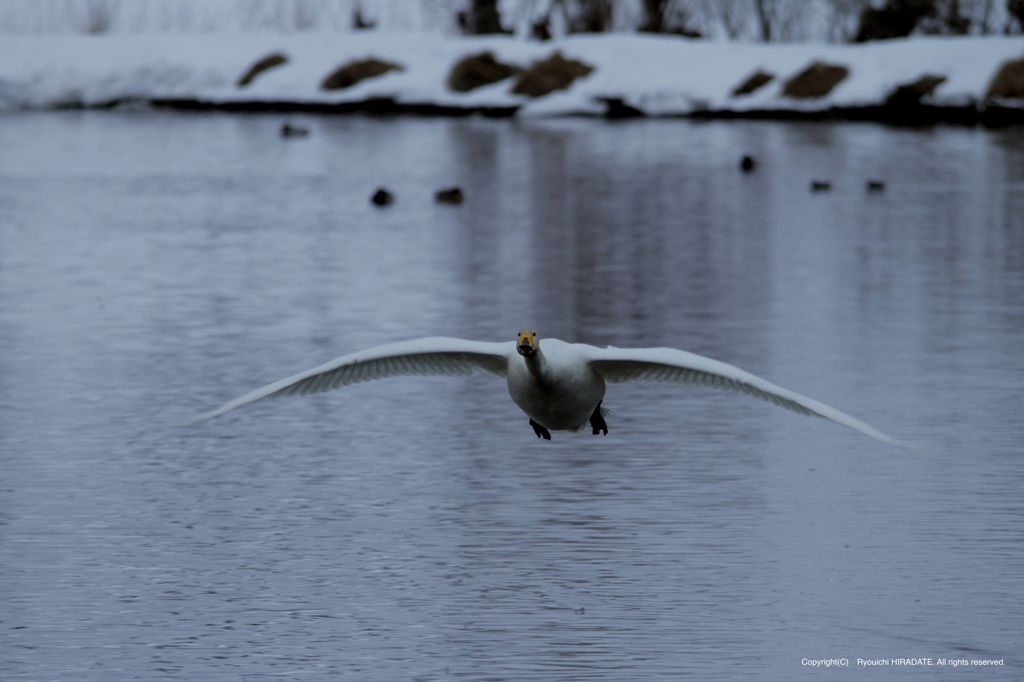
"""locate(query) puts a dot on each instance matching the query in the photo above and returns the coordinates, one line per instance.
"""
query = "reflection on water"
(153, 265)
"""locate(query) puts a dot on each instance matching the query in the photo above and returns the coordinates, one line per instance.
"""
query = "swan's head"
(527, 343)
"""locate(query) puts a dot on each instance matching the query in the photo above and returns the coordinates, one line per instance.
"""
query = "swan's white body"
(558, 385)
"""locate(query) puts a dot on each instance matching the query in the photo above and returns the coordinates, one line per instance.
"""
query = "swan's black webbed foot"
(540, 430)
(597, 421)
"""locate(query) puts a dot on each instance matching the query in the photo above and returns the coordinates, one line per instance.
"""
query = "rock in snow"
(925, 78)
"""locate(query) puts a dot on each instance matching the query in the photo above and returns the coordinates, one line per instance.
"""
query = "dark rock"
(288, 130)
(449, 196)
(349, 74)
(820, 185)
(382, 197)
(747, 164)
(617, 109)
(755, 82)
(1008, 82)
(554, 73)
(876, 186)
(478, 70)
(817, 80)
(910, 94)
(268, 62)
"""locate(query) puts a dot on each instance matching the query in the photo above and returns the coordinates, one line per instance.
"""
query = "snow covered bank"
(632, 74)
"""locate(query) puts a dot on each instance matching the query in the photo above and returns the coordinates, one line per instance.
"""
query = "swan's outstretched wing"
(618, 365)
(430, 356)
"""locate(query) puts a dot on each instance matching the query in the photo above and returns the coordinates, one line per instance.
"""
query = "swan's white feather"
(569, 386)
(430, 356)
(618, 365)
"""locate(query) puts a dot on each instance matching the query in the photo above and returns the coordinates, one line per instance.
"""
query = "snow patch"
(658, 75)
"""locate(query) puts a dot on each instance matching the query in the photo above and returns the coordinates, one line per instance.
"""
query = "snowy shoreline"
(632, 75)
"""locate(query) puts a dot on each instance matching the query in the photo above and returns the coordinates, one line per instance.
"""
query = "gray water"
(154, 265)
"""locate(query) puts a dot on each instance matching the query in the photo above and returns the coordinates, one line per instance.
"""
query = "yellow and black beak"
(527, 343)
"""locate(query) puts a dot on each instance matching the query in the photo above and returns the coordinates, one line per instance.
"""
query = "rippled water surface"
(154, 265)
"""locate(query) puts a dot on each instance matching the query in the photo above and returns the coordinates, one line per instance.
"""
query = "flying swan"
(560, 386)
